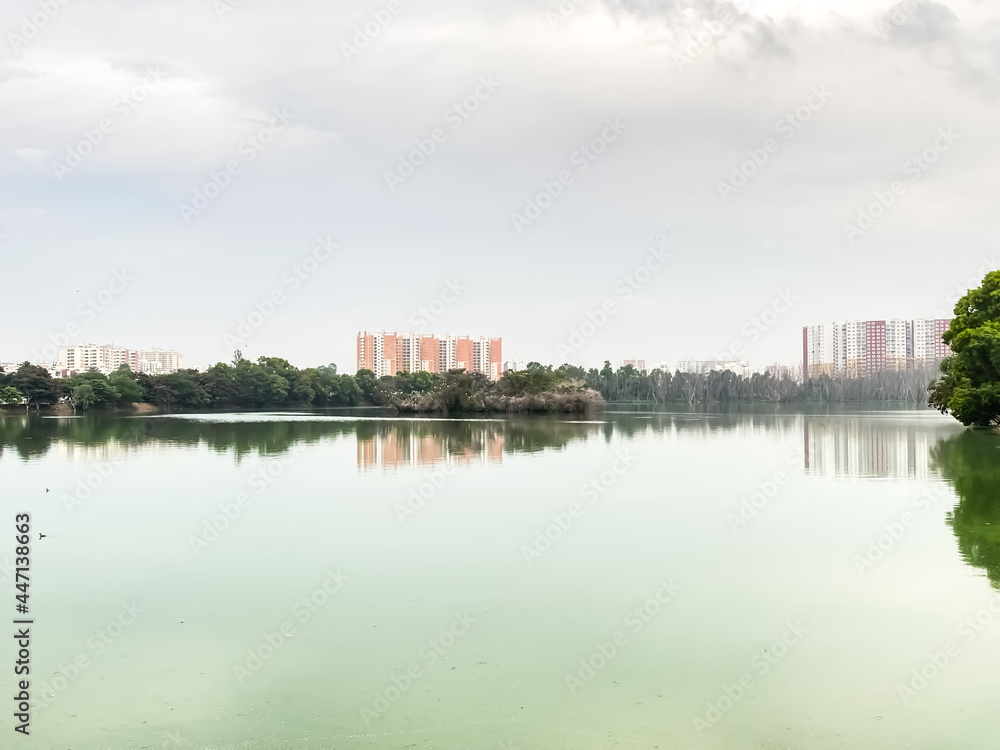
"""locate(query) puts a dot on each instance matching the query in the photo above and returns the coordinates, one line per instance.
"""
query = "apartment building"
(927, 342)
(863, 347)
(386, 353)
(108, 358)
(515, 365)
(821, 347)
(638, 364)
(159, 361)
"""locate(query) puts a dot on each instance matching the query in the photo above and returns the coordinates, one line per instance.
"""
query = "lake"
(766, 578)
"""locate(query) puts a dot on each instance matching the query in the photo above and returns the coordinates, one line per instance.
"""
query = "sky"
(589, 180)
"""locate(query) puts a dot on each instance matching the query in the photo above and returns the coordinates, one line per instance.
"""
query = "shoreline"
(139, 408)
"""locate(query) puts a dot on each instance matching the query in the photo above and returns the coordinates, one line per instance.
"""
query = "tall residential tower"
(386, 353)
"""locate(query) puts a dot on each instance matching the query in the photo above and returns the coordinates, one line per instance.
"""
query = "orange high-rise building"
(386, 353)
(463, 354)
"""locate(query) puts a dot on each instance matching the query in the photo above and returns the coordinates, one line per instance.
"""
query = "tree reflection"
(381, 442)
(971, 462)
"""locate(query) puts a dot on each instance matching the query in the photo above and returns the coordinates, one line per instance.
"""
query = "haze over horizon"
(629, 115)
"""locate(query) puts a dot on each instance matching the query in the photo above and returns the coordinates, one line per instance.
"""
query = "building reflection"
(865, 447)
(399, 445)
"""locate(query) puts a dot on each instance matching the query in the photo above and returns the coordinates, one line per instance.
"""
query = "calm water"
(765, 579)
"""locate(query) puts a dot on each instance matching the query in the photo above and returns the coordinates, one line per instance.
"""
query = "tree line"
(722, 386)
(267, 383)
(272, 382)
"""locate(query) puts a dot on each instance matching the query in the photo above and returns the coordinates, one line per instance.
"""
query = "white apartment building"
(108, 358)
(851, 357)
(513, 365)
(821, 349)
(481, 360)
(159, 362)
(446, 352)
(898, 344)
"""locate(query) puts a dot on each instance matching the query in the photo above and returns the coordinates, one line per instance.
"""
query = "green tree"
(969, 386)
(81, 395)
(124, 382)
(91, 388)
(36, 385)
(10, 396)
(368, 383)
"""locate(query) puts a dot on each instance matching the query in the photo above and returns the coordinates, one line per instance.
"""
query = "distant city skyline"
(412, 352)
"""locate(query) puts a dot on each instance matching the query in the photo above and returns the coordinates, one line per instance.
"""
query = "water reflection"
(970, 461)
(414, 444)
(381, 442)
(892, 445)
(866, 447)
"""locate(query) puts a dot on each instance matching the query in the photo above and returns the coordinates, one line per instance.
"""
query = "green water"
(662, 580)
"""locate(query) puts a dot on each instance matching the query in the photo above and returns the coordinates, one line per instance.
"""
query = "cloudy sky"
(512, 169)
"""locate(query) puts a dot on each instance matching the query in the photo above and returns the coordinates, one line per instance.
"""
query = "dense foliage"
(272, 382)
(268, 382)
(628, 384)
(969, 386)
